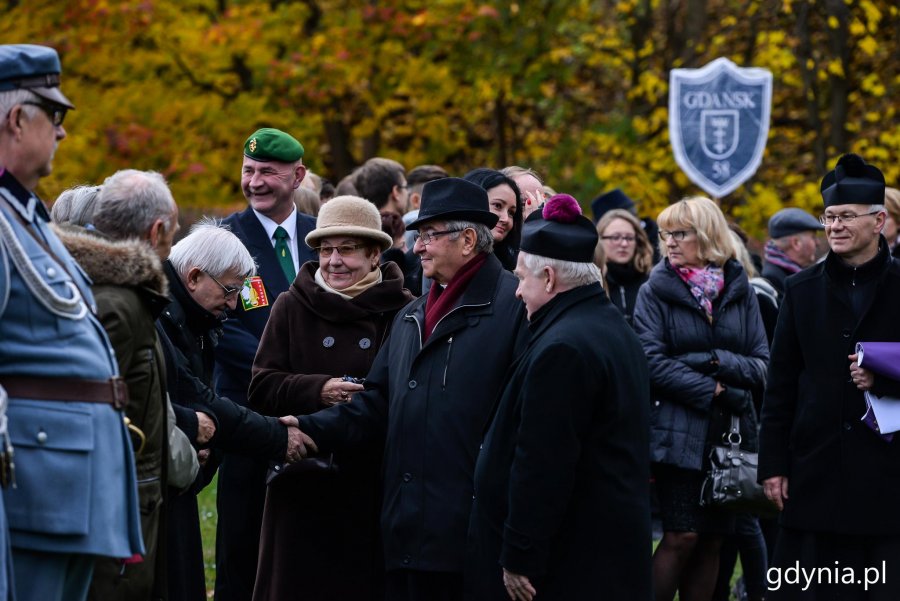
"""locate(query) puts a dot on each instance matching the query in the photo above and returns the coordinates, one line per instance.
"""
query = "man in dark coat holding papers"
(836, 477)
(561, 507)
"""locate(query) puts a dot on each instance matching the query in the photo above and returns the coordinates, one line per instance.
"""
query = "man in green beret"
(273, 231)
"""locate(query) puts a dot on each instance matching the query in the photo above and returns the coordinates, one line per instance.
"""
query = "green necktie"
(284, 254)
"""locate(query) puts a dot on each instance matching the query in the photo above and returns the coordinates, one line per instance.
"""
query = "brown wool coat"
(320, 530)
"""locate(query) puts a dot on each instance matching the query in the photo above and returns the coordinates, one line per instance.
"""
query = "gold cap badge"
(252, 145)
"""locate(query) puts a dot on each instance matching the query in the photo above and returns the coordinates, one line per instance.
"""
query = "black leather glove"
(705, 362)
(735, 400)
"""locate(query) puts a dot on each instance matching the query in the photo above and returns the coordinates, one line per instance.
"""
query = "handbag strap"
(733, 437)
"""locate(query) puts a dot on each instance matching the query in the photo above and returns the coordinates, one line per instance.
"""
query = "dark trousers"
(415, 585)
(748, 541)
(836, 557)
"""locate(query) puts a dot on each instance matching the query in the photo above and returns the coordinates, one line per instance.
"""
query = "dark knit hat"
(853, 182)
(34, 68)
(454, 198)
(268, 144)
(614, 199)
(560, 231)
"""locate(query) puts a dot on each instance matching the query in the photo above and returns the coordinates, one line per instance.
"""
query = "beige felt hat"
(349, 216)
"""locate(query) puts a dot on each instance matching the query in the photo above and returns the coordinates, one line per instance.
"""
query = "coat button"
(41, 437)
(406, 560)
(365, 343)
(847, 426)
(328, 342)
(412, 384)
(407, 477)
(51, 273)
(846, 333)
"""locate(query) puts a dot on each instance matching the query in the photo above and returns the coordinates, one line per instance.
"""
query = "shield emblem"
(719, 123)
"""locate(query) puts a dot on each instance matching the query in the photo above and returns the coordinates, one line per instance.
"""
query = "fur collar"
(114, 262)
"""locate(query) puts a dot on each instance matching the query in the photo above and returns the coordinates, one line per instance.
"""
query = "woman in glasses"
(629, 257)
(700, 326)
(319, 535)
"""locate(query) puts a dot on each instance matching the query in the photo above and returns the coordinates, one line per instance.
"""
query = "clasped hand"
(299, 444)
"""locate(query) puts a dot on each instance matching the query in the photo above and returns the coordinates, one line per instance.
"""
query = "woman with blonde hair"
(629, 257)
(892, 223)
(699, 323)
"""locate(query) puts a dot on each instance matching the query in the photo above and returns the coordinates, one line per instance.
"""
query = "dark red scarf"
(441, 300)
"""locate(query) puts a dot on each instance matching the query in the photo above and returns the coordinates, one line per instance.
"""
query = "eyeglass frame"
(845, 219)
(227, 290)
(430, 236)
(321, 250)
(617, 238)
(50, 110)
(678, 235)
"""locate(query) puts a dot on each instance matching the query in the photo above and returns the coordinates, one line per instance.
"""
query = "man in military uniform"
(273, 231)
(75, 495)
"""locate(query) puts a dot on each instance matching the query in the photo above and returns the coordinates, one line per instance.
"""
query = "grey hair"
(213, 248)
(568, 273)
(10, 98)
(131, 201)
(484, 240)
(75, 205)
(877, 208)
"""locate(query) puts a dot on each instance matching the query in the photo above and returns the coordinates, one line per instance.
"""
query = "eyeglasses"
(679, 235)
(616, 238)
(428, 237)
(345, 250)
(56, 113)
(228, 290)
(845, 218)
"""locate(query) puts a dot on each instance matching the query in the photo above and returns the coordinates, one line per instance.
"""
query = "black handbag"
(731, 482)
(323, 465)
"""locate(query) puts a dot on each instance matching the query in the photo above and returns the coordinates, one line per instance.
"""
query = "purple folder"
(883, 358)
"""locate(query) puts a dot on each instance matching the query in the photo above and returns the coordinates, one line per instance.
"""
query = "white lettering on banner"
(725, 100)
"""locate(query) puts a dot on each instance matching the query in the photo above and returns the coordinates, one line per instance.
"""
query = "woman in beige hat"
(320, 527)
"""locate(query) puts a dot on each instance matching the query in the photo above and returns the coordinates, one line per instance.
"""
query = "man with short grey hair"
(565, 463)
(209, 272)
(791, 246)
(430, 392)
(823, 458)
(138, 204)
(136, 219)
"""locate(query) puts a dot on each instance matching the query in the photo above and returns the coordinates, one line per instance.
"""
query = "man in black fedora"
(430, 392)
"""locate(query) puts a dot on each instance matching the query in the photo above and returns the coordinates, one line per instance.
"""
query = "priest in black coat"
(561, 484)
(836, 476)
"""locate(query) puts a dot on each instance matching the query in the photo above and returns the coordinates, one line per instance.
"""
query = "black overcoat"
(430, 404)
(842, 477)
(562, 480)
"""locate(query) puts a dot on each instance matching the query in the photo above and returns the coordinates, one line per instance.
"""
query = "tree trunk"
(810, 87)
(840, 84)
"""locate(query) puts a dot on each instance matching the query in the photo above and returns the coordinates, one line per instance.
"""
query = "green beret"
(268, 144)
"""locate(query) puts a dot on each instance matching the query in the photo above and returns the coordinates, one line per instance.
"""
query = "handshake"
(299, 444)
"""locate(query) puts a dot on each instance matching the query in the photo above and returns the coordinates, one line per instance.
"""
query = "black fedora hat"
(454, 198)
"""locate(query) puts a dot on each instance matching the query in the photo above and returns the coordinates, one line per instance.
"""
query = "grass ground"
(207, 506)
(206, 501)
